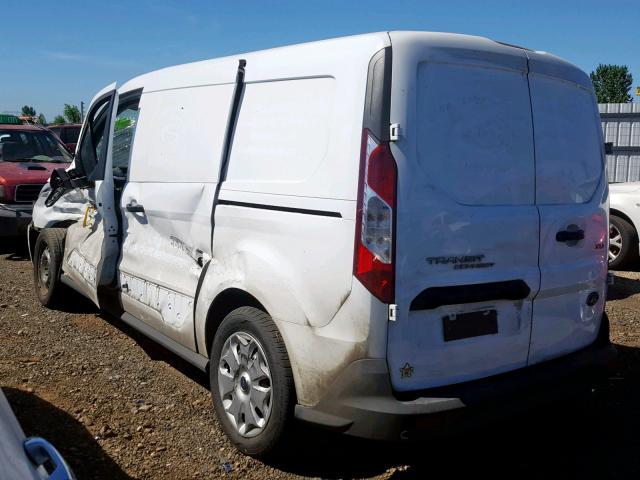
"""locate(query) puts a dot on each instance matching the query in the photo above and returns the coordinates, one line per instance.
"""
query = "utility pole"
(81, 112)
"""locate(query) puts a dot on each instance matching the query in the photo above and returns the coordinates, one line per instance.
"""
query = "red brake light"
(374, 257)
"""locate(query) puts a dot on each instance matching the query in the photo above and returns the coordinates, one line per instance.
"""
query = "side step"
(190, 356)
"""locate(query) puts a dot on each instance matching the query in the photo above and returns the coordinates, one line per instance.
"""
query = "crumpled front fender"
(70, 207)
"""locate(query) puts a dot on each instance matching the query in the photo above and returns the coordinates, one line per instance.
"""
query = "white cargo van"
(357, 232)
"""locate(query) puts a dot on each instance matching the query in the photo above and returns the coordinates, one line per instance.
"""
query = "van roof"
(325, 56)
(291, 61)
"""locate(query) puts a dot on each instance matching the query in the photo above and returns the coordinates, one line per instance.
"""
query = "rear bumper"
(362, 402)
(14, 219)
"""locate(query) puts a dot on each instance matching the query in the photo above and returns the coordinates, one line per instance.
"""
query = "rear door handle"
(570, 236)
(134, 207)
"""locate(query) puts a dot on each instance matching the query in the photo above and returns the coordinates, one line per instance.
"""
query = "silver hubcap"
(615, 242)
(43, 267)
(244, 383)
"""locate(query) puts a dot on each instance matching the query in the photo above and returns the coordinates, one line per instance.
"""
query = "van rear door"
(572, 197)
(467, 227)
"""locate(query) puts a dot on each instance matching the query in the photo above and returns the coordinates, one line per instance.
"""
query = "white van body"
(490, 251)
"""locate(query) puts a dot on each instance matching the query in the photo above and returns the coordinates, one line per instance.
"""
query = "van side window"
(123, 133)
(93, 149)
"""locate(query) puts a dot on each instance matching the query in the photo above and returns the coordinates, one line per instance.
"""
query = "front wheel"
(47, 261)
(623, 243)
(251, 382)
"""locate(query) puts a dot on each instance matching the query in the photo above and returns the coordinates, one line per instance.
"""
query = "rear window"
(71, 134)
(475, 140)
(569, 161)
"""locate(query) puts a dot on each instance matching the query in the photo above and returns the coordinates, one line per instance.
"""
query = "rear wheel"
(251, 382)
(623, 243)
(47, 261)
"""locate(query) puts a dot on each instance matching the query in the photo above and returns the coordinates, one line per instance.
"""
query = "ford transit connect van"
(358, 232)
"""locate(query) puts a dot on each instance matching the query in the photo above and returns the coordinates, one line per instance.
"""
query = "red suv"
(68, 133)
(28, 154)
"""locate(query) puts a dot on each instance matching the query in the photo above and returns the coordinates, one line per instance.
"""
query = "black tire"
(627, 253)
(50, 240)
(269, 441)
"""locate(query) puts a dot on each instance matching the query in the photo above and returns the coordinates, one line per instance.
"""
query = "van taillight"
(374, 257)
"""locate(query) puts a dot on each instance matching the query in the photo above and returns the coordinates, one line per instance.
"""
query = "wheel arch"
(223, 304)
(618, 213)
(34, 233)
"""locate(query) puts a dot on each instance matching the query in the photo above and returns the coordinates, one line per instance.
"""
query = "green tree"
(71, 113)
(122, 123)
(612, 83)
(30, 111)
(58, 119)
(41, 119)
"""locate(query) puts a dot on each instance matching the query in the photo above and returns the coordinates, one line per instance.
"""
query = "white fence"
(621, 127)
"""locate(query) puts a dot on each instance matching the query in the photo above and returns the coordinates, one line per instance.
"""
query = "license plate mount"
(469, 325)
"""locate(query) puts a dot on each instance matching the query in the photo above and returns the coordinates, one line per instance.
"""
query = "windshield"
(31, 145)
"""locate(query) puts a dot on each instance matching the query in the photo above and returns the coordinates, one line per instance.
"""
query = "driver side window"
(93, 149)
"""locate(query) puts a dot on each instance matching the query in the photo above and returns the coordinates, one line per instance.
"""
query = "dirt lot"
(117, 406)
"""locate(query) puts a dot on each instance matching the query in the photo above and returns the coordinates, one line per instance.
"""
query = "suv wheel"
(47, 260)
(623, 243)
(251, 382)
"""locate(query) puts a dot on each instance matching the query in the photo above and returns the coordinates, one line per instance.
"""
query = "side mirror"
(63, 181)
(608, 148)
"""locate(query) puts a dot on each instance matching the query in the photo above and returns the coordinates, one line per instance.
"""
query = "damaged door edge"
(203, 273)
(234, 111)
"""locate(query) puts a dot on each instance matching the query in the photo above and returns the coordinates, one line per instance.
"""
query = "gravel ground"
(118, 406)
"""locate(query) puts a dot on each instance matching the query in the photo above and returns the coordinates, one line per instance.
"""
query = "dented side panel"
(173, 175)
(357, 329)
(163, 251)
(299, 267)
(174, 308)
(83, 247)
(308, 258)
(319, 355)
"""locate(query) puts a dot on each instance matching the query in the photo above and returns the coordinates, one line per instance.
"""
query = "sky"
(64, 51)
